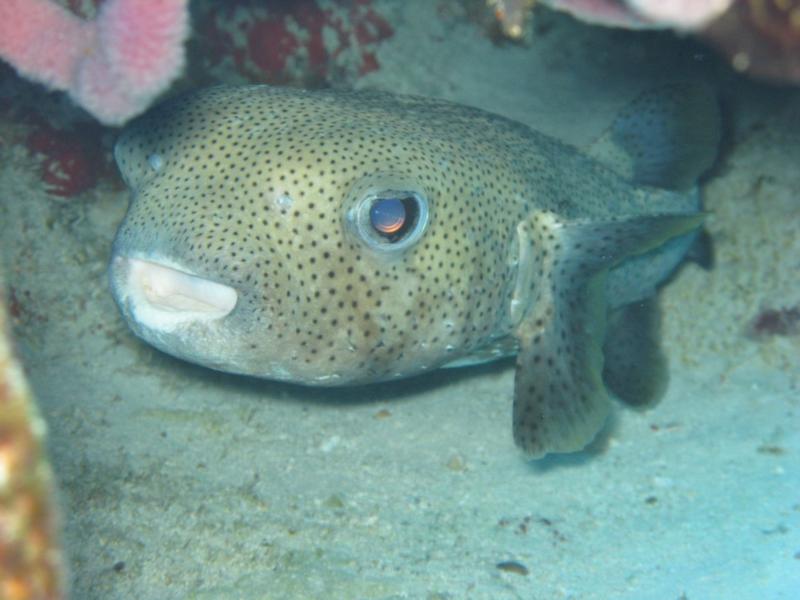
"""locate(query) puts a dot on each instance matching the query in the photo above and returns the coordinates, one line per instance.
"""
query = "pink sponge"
(645, 14)
(113, 66)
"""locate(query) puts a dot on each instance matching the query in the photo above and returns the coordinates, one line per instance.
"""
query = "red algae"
(71, 161)
(781, 321)
(270, 45)
(72, 155)
(293, 42)
(66, 168)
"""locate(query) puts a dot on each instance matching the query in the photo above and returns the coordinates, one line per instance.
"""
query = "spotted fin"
(635, 369)
(665, 138)
(560, 401)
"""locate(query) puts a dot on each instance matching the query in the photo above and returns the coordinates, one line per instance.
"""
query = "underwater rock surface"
(179, 482)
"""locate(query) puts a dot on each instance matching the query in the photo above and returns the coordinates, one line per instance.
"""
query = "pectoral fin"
(560, 401)
(635, 369)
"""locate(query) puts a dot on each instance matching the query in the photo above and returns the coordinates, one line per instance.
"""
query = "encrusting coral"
(30, 559)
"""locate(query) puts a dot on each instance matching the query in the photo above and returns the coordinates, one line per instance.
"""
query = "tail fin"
(665, 138)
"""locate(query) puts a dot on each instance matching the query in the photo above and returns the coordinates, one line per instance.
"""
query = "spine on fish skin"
(31, 566)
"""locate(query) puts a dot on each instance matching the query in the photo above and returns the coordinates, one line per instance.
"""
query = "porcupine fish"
(332, 237)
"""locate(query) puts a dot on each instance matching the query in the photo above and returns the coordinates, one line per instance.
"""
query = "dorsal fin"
(666, 138)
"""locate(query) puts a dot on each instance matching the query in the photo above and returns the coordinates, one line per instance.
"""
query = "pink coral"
(113, 65)
(644, 14)
(760, 37)
(611, 13)
(680, 14)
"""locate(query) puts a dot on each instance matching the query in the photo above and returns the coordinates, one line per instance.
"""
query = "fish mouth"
(162, 296)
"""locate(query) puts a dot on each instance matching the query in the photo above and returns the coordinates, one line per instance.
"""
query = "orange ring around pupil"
(392, 227)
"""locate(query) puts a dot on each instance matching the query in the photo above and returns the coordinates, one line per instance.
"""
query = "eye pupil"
(388, 215)
(392, 218)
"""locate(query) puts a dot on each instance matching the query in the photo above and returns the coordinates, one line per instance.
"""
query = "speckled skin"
(252, 189)
(316, 306)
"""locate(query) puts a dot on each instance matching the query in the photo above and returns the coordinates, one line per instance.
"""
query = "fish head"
(313, 238)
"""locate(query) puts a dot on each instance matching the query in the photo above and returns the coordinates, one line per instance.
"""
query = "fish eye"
(391, 220)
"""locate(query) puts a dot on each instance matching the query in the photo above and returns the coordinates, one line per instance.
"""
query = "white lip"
(163, 297)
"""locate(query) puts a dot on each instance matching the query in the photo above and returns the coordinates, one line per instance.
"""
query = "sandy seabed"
(179, 482)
